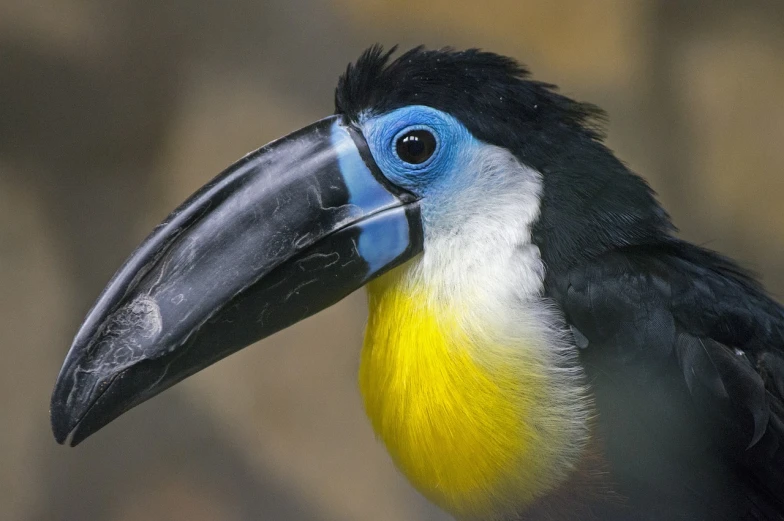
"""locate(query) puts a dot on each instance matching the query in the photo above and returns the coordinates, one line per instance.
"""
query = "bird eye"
(416, 146)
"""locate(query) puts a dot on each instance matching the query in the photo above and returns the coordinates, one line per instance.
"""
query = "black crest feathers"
(454, 81)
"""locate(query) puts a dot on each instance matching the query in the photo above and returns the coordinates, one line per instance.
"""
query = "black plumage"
(684, 358)
(682, 348)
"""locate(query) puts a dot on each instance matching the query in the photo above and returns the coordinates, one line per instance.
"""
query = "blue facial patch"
(437, 172)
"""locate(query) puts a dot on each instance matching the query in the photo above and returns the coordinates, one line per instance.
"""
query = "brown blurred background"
(112, 112)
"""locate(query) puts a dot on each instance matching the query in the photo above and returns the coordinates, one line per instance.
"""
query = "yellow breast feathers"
(472, 428)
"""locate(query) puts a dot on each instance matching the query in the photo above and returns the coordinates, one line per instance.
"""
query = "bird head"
(442, 157)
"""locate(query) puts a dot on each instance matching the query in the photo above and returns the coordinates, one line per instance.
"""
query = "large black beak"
(282, 234)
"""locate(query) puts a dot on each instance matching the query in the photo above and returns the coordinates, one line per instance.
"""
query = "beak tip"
(66, 429)
(61, 428)
(65, 419)
(61, 421)
(82, 406)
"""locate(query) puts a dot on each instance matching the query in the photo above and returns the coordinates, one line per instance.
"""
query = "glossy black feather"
(684, 355)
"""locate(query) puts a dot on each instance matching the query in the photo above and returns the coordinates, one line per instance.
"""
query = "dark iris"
(416, 147)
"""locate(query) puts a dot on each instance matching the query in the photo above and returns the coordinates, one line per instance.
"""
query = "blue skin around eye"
(438, 174)
(385, 237)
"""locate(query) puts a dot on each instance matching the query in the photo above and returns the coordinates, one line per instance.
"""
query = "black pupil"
(416, 146)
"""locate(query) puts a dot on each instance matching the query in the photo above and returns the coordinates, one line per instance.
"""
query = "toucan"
(540, 344)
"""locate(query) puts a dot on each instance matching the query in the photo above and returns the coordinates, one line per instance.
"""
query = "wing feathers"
(674, 308)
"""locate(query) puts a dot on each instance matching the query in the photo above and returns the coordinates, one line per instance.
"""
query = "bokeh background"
(114, 111)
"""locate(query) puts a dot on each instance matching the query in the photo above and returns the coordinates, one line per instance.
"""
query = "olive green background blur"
(113, 112)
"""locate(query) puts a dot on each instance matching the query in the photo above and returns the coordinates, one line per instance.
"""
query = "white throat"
(478, 246)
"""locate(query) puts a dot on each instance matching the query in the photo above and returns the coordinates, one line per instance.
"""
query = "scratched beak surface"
(282, 234)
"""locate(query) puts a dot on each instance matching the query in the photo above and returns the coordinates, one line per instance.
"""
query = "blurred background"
(113, 112)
